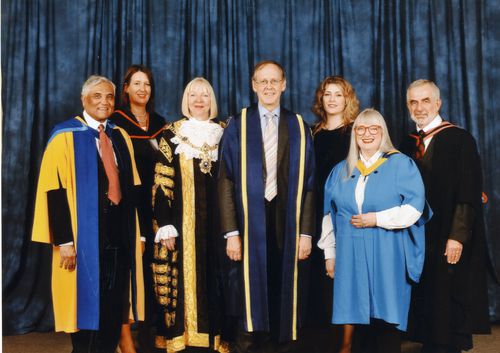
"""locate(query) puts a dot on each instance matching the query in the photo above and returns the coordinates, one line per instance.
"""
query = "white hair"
(423, 82)
(367, 116)
(94, 80)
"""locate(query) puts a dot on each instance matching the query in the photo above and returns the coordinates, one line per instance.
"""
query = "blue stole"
(87, 207)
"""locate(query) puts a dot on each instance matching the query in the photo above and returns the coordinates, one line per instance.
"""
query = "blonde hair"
(204, 83)
(373, 117)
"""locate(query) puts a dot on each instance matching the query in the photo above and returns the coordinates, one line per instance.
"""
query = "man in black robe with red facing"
(450, 303)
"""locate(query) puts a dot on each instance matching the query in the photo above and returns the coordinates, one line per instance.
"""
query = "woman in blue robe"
(374, 207)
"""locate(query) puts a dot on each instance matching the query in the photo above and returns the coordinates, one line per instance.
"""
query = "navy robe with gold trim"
(242, 178)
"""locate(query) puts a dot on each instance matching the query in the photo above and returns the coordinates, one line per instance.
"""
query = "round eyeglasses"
(264, 83)
(372, 129)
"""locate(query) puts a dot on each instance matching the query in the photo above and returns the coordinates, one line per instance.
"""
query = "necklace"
(141, 118)
(204, 150)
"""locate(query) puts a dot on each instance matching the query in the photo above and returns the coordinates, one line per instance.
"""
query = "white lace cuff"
(166, 232)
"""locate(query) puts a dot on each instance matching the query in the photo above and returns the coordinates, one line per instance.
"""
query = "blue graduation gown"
(375, 266)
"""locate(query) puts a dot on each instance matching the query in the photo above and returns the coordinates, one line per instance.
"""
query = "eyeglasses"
(264, 83)
(372, 129)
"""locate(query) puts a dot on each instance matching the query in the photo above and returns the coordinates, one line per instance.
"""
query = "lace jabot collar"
(197, 139)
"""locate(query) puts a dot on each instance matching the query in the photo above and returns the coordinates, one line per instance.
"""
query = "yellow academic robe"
(58, 165)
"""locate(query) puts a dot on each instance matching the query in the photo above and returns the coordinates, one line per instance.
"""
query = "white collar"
(198, 133)
(434, 123)
(263, 111)
(94, 124)
(370, 161)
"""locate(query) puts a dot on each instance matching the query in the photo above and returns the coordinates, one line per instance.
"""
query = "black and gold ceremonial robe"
(184, 195)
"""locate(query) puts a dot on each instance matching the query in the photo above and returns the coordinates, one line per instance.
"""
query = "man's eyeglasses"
(372, 129)
(264, 83)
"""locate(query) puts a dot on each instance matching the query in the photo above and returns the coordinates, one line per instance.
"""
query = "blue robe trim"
(383, 262)
(230, 152)
(257, 248)
(87, 204)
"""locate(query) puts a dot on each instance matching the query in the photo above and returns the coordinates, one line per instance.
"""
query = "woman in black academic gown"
(336, 107)
(185, 212)
(137, 116)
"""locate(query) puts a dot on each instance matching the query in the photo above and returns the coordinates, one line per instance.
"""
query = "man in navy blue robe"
(266, 202)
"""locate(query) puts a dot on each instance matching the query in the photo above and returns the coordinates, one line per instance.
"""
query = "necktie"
(108, 160)
(271, 153)
(420, 146)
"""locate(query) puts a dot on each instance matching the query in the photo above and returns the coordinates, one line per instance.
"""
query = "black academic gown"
(450, 303)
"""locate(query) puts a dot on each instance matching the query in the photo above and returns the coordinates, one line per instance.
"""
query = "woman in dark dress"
(144, 125)
(185, 213)
(336, 107)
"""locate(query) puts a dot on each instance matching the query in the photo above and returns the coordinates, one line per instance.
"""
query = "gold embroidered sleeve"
(164, 183)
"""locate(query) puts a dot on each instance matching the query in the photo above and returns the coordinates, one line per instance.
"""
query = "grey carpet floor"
(61, 343)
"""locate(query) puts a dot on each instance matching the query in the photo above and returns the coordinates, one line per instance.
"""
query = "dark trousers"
(268, 342)
(437, 348)
(320, 339)
(378, 337)
(112, 276)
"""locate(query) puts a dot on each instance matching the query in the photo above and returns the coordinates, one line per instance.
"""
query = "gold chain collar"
(205, 149)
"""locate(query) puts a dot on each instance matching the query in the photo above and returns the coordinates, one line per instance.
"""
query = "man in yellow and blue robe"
(95, 237)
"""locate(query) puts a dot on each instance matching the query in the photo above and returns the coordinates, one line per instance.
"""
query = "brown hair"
(351, 102)
(261, 64)
(124, 98)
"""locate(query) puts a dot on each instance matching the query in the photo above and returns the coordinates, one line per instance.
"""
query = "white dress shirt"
(434, 123)
(93, 124)
(397, 217)
(263, 124)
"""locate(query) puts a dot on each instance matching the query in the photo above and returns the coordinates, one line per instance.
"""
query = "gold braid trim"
(180, 343)
(166, 150)
(165, 277)
(164, 181)
(165, 170)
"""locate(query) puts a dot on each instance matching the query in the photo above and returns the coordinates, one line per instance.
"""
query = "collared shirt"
(263, 125)
(361, 185)
(263, 119)
(93, 124)
(434, 123)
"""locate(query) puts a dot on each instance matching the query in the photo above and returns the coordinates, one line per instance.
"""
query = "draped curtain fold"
(49, 47)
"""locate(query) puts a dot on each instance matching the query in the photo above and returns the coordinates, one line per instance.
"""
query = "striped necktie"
(108, 160)
(271, 153)
(420, 145)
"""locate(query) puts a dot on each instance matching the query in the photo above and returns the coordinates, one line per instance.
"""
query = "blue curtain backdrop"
(50, 47)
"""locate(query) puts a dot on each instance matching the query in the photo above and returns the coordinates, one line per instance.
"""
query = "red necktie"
(420, 145)
(108, 160)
